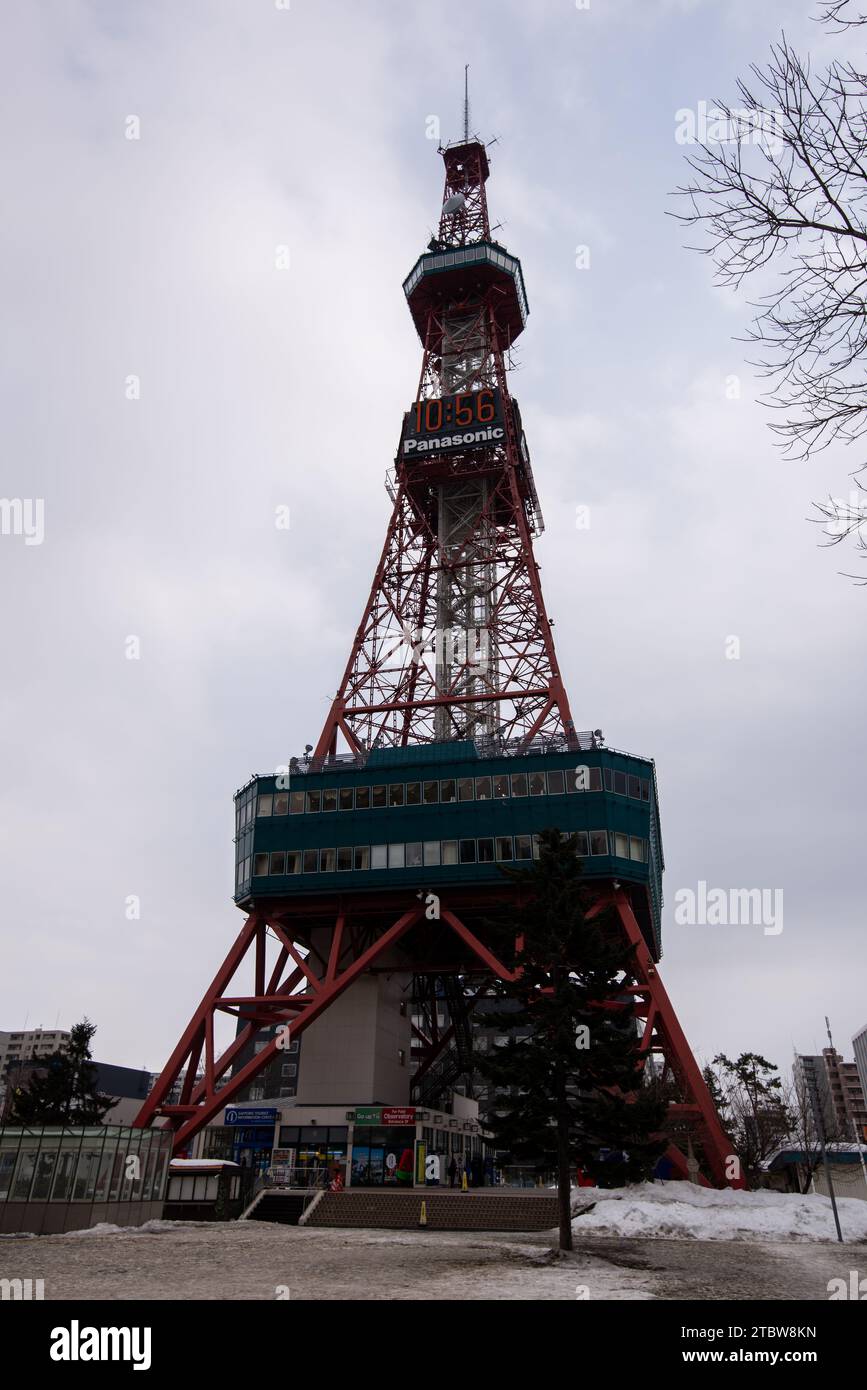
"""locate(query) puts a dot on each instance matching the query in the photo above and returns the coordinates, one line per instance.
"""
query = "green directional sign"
(368, 1114)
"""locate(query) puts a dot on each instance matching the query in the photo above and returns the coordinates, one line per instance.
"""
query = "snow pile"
(680, 1210)
(149, 1228)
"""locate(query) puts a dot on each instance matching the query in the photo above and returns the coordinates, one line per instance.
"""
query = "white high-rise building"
(33, 1042)
(859, 1046)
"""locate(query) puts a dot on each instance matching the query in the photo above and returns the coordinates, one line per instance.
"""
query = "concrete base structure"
(359, 1052)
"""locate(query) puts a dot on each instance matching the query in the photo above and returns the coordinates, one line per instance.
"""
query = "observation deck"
(448, 814)
(447, 276)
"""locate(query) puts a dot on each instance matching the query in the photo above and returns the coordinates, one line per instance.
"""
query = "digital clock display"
(444, 423)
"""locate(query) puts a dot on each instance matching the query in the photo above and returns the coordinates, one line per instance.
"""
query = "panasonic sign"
(439, 424)
(452, 441)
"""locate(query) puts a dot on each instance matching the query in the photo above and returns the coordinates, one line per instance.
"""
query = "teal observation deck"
(445, 814)
(438, 276)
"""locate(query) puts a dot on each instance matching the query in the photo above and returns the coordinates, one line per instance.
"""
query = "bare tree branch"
(779, 183)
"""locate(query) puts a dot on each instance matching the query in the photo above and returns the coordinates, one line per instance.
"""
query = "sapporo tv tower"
(368, 871)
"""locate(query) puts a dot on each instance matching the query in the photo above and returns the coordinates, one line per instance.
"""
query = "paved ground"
(257, 1260)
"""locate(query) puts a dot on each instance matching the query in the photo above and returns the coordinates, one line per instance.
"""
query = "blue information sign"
(249, 1116)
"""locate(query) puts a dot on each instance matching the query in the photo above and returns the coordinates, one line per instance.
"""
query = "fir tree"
(574, 1062)
(66, 1093)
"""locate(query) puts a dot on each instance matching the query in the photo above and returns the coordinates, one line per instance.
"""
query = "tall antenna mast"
(466, 104)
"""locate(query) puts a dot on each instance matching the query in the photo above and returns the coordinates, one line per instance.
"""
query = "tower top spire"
(466, 104)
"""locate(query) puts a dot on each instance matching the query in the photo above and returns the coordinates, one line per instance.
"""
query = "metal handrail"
(585, 740)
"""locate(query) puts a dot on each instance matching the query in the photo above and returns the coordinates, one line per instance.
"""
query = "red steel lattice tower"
(452, 705)
(455, 641)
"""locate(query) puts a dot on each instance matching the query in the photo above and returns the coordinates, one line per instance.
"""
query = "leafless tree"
(778, 188)
(841, 14)
(748, 1093)
(803, 1134)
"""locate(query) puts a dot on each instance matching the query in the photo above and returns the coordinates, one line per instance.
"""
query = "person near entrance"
(452, 1171)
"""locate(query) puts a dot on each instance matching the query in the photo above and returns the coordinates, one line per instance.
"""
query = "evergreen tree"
(574, 1063)
(66, 1092)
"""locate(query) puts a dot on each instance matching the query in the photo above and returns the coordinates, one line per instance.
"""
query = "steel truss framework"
(301, 983)
(476, 580)
(458, 551)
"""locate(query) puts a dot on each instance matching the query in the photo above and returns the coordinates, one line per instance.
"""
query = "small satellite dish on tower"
(456, 203)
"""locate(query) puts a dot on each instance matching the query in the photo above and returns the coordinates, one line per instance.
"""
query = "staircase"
(285, 1207)
(483, 1210)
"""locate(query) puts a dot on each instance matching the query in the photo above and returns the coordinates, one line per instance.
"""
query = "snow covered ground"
(673, 1210)
(655, 1241)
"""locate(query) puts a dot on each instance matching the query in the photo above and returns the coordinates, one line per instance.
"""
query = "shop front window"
(383, 1157)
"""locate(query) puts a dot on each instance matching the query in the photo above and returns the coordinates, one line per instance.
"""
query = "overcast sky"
(263, 127)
